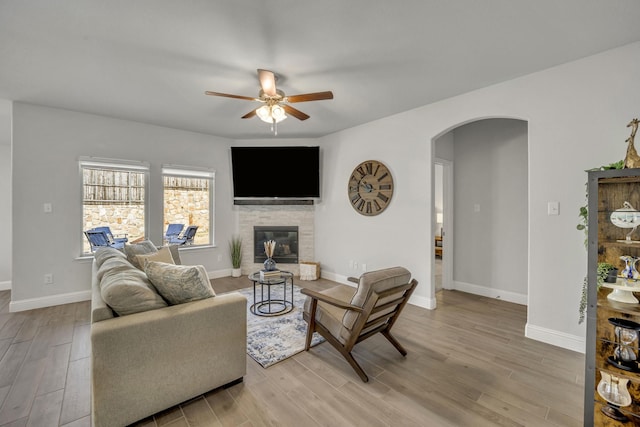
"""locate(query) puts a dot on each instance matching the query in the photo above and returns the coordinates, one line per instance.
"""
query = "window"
(114, 196)
(188, 200)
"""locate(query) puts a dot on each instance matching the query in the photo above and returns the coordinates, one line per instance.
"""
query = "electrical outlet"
(355, 265)
(219, 257)
(364, 266)
(48, 279)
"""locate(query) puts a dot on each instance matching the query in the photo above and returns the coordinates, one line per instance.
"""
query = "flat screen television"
(272, 173)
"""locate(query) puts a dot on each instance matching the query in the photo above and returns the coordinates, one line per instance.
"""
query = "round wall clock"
(370, 188)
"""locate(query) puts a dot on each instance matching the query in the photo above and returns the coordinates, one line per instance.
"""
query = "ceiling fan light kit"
(275, 108)
(271, 114)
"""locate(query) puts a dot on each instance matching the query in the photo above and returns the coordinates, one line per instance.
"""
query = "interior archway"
(486, 239)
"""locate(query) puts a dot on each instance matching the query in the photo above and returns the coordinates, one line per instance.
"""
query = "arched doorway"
(485, 248)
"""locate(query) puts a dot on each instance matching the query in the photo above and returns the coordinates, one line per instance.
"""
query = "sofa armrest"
(146, 362)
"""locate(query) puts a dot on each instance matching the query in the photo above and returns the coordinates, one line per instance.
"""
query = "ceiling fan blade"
(267, 82)
(317, 96)
(248, 98)
(249, 114)
(295, 113)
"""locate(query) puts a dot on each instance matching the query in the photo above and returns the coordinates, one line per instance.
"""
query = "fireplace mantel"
(274, 216)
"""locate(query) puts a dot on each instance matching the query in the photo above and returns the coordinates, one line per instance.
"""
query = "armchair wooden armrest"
(353, 279)
(329, 300)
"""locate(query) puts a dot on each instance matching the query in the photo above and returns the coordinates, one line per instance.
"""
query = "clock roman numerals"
(368, 207)
(382, 197)
(370, 188)
(369, 167)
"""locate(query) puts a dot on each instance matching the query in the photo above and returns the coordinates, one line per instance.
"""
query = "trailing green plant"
(603, 271)
(235, 250)
(583, 225)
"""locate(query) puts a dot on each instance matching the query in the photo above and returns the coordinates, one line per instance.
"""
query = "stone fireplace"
(286, 238)
(275, 217)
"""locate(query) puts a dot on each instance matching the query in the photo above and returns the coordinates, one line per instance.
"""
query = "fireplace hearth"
(286, 238)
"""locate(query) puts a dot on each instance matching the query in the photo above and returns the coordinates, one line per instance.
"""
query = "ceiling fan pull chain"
(274, 127)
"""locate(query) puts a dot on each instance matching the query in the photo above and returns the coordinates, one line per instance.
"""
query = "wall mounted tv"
(275, 175)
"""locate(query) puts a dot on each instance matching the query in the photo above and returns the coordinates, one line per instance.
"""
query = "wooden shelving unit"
(612, 336)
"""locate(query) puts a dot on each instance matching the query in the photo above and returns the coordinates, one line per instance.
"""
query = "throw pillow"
(175, 253)
(103, 254)
(128, 291)
(113, 264)
(163, 255)
(132, 251)
(179, 283)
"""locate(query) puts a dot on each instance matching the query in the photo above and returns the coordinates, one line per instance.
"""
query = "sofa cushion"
(175, 253)
(142, 248)
(162, 255)
(179, 283)
(103, 254)
(115, 264)
(127, 290)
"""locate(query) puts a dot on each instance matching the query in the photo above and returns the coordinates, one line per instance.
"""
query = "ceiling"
(152, 60)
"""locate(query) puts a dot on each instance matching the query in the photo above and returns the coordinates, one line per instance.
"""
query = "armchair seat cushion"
(330, 316)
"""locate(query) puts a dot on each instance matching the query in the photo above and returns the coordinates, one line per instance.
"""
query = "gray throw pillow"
(103, 254)
(114, 264)
(128, 291)
(179, 283)
(142, 248)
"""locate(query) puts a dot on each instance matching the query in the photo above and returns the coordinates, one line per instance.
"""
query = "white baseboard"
(5, 286)
(490, 292)
(424, 302)
(219, 273)
(336, 278)
(557, 338)
(49, 301)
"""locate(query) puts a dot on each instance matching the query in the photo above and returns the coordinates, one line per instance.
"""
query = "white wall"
(47, 144)
(490, 176)
(576, 112)
(5, 193)
(577, 115)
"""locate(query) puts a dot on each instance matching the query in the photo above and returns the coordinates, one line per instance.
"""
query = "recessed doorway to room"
(442, 172)
(486, 241)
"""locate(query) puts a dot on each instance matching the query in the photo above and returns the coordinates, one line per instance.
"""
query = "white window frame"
(115, 164)
(194, 172)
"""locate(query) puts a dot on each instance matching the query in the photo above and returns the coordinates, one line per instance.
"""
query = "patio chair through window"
(186, 238)
(110, 236)
(173, 230)
(99, 239)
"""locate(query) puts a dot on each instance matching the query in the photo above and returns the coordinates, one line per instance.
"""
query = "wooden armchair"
(345, 316)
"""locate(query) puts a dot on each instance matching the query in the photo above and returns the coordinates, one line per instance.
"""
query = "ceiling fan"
(275, 103)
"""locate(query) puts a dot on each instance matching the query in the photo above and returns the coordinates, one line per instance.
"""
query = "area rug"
(273, 339)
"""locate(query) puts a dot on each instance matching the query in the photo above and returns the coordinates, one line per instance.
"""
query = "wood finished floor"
(468, 365)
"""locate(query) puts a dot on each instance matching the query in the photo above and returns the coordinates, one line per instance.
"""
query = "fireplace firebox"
(286, 238)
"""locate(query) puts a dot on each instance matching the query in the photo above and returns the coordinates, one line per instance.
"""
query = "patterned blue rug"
(273, 339)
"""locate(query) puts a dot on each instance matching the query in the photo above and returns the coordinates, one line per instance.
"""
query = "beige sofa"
(146, 362)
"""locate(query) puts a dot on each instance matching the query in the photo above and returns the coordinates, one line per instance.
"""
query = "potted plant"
(606, 273)
(235, 250)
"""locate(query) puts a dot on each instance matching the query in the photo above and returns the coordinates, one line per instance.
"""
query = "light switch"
(48, 208)
(553, 208)
(476, 207)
